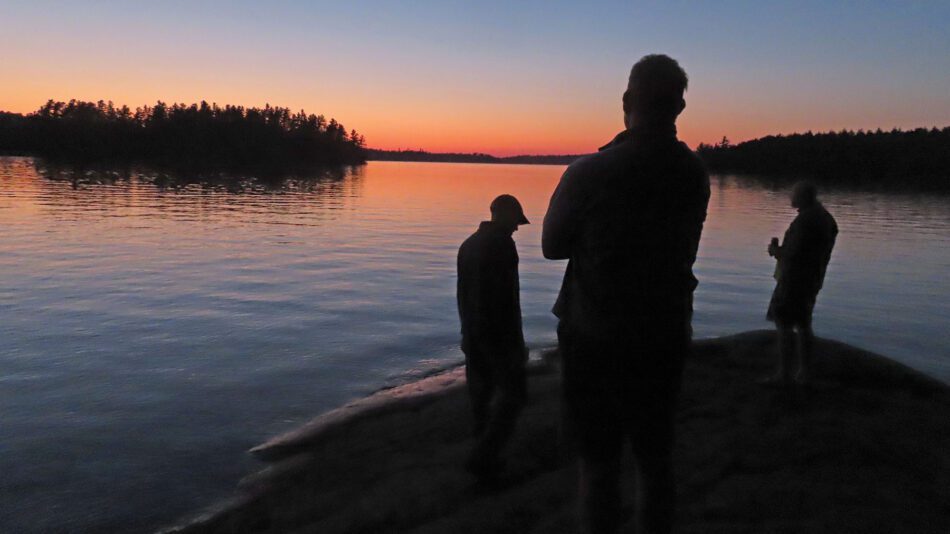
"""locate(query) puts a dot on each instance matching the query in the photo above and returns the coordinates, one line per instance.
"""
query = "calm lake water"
(150, 334)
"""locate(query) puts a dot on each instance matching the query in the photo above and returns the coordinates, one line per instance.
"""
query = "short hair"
(806, 191)
(656, 86)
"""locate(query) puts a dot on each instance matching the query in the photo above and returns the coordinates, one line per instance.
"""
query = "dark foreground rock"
(866, 449)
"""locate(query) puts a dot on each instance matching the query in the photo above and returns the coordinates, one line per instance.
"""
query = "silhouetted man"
(802, 260)
(629, 219)
(492, 339)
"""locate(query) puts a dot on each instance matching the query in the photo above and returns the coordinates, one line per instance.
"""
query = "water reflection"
(313, 181)
(77, 193)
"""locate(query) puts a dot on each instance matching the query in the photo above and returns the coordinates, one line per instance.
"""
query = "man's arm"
(831, 234)
(694, 211)
(461, 298)
(792, 241)
(504, 308)
(560, 219)
(679, 225)
(516, 321)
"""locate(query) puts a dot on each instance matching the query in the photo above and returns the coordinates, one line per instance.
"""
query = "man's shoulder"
(581, 177)
(677, 150)
(828, 219)
(690, 157)
(485, 240)
(618, 157)
(818, 214)
(588, 165)
(814, 221)
(689, 162)
(470, 242)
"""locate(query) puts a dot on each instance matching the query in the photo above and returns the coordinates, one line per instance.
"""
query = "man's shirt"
(629, 220)
(488, 291)
(806, 250)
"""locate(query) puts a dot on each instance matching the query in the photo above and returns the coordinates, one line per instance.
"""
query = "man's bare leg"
(806, 344)
(786, 349)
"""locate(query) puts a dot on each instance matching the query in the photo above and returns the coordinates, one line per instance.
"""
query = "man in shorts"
(802, 261)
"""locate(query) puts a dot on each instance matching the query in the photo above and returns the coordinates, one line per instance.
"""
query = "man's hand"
(773, 247)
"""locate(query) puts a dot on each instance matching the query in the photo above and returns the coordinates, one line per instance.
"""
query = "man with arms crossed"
(629, 219)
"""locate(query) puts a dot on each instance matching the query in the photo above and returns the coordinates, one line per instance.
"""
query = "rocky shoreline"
(864, 449)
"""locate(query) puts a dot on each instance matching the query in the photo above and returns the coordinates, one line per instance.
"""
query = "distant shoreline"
(474, 157)
(918, 158)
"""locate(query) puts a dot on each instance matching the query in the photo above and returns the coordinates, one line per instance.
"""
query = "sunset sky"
(498, 77)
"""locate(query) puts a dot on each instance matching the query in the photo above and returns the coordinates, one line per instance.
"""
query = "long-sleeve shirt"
(629, 220)
(488, 291)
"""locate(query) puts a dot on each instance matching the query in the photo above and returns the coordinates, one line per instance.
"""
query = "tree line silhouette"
(895, 157)
(195, 136)
(274, 139)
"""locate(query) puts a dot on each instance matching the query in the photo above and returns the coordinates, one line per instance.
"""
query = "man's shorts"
(790, 307)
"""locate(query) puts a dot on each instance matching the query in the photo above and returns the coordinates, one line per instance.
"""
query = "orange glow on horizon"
(426, 130)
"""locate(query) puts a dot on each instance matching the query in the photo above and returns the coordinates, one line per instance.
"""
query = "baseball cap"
(507, 205)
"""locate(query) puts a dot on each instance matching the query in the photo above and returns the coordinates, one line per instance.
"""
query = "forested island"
(920, 156)
(474, 157)
(181, 136)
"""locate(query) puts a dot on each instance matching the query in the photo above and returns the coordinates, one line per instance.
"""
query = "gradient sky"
(497, 77)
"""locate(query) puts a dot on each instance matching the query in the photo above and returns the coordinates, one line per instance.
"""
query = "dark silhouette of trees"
(15, 135)
(196, 136)
(920, 156)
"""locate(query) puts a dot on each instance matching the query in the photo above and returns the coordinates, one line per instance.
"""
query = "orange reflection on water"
(451, 188)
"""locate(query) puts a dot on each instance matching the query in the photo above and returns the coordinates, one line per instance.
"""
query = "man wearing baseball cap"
(490, 312)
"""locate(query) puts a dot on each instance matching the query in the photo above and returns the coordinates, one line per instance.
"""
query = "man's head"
(654, 93)
(804, 195)
(507, 212)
